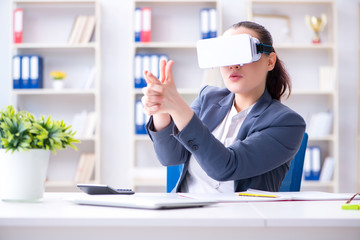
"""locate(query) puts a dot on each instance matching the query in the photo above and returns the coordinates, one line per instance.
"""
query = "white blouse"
(196, 180)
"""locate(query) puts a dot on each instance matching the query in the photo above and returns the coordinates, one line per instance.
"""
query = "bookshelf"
(47, 28)
(303, 59)
(175, 30)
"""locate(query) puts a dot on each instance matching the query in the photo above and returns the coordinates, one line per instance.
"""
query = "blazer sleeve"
(168, 149)
(272, 141)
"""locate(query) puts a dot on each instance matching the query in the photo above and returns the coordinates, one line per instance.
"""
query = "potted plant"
(25, 146)
(58, 79)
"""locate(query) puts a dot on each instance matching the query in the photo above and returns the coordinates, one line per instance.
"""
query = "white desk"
(56, 218)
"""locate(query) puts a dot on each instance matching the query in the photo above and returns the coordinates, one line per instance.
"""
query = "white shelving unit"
(303, 60)
(175, 30)
(47, 27)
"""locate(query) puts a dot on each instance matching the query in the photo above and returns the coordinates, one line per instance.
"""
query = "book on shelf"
(327, 170)
(27, 71)
(83, 29)
(85, 168)
(88, 30)
(149, 62)
(18, 25)
(137, 24)
(140, 118)
(90, 125)
(89, 82)
(208, 23)
(327, 75)
(84, 123)
(312, 164)
(142, 24)
(320, 124)
(16, 71)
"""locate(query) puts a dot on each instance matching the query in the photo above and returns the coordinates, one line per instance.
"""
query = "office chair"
(172, 176)
(291, 182)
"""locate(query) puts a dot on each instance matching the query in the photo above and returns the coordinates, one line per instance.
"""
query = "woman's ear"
(271, 61)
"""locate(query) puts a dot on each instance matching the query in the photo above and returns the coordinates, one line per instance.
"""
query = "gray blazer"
(267, 141)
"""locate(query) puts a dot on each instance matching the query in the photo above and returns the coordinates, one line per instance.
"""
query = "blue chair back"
(172, 176)
(292, 180)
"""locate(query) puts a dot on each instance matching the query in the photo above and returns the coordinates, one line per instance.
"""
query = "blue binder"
(154, 65)
(140, 118)
(146, 65)
(204, 23)
(212, 23)
(137, 25)
(138, 72)
(312, 164)
(36, 73)
(25, 72)
(16, 71)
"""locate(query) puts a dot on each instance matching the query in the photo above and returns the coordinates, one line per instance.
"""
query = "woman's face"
(248, 79)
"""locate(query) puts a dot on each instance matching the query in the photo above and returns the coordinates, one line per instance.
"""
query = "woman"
(233, 138)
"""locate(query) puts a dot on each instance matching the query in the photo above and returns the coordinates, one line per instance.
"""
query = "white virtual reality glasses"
(230, 50)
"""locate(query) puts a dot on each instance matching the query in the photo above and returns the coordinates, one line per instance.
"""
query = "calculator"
(96, 189)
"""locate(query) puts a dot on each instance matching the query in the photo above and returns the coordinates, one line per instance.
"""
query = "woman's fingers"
(150, 107)
(168, 71)
(150, 78)
(162, 70)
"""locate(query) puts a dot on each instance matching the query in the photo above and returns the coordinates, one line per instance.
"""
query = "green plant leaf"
(20, 131)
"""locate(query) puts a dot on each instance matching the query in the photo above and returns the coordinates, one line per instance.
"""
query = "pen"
(257, 195)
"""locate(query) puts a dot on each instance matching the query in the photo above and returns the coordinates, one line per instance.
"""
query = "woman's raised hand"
(162, 100)
(160, 94)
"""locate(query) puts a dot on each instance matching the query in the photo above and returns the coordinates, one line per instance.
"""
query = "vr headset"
(230, 50)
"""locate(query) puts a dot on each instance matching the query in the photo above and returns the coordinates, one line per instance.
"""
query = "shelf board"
(322, 138)
(86, 139)
(311, 92)
(304, 46)
(48, 91)
(141, 137)
(165, 45)
(316, 184)
(184, 91)
(55, 46)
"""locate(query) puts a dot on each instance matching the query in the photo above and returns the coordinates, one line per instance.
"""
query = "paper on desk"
(280, 196)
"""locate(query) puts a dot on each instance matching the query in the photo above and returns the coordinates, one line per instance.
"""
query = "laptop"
(143, 201)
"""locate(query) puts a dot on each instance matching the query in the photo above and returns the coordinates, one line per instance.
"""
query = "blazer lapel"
(259, 107)
(217, 112)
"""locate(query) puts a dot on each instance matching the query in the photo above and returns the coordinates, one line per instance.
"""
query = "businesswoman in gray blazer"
(232, 138)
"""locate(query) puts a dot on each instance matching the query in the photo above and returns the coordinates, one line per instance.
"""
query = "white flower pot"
(58, 84)
(23, 174)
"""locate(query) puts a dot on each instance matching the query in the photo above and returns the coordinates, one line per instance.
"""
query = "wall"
(116, 39)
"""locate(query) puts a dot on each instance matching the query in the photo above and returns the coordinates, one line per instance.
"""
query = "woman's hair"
(277, 80)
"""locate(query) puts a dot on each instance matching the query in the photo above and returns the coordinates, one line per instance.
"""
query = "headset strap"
(263, 48)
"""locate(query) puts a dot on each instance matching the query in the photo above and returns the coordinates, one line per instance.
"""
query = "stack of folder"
(143, 24)
(208, 23)
(149, 62)
(27, 71)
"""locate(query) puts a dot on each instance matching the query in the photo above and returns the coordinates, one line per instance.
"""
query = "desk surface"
(58, 217)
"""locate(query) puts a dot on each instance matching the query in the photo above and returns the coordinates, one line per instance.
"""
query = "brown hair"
(277, 80)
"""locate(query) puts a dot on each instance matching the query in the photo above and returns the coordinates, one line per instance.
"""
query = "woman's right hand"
(152, 98)
(161, 99)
